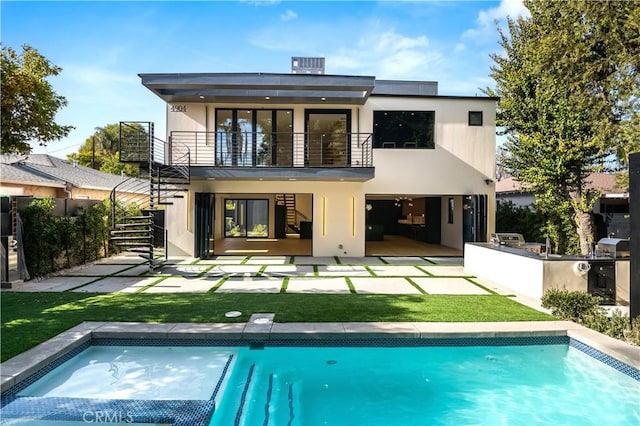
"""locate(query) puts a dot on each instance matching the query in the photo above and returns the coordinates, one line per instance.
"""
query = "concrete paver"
(268, 260)
(289, 271)
(318, 285)
(437, 285)
(223, 260)
(343, 270)
(182, 270)
(252, 285)
(183, 285)
(405, 260)
(234, 270)
(122, 260)
(446, 271)
(135, 271)
(383, 286)
(368, 260)
(59, 283)
(99, 270)
(310, 260)
(397, 271)
(116, 284)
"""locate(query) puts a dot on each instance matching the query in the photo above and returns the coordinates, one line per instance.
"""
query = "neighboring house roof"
(604, 182)
(18, 175)
(46, 170)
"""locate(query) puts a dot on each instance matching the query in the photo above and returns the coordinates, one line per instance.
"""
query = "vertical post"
(634, 214)
(150, 159)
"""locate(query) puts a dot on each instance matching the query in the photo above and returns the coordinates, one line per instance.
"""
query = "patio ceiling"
(260, 88)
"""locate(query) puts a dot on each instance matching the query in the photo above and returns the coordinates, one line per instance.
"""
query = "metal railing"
(278, 149)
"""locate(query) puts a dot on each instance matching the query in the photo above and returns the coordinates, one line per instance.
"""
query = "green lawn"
(31, 318)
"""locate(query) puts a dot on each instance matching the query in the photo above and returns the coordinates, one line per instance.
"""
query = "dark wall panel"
(634, 212)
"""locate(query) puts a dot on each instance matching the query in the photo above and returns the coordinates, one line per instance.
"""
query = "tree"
(569, 97)
(101, 151)
(29, 103)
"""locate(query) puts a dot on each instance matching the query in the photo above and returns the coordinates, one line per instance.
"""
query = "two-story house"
(325, 165)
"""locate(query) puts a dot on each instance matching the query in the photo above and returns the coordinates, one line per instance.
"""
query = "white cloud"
(511, 8)
(387, 55)
(485, 21)
(288, 15)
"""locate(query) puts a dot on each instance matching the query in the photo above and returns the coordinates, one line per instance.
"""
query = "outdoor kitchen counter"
(531, 274)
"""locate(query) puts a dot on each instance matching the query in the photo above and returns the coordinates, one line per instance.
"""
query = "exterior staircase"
(137, 215)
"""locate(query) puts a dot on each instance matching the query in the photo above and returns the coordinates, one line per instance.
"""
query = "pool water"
(136, 373)
(555, 384)
(511, 385)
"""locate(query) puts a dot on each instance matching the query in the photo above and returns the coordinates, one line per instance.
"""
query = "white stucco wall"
(451, 233)
(338, 213)
(534, 276)
(464, 157)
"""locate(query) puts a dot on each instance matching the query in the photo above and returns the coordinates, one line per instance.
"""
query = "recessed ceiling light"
(293, 179)
(201, 97)
(267, 97)
(323, 99)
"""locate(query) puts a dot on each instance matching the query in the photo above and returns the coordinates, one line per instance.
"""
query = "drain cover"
(332, 362)
(233, 314)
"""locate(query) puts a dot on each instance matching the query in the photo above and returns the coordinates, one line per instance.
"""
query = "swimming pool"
(551, 380)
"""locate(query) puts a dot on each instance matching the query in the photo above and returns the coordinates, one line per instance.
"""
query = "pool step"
(243, 397)
(267, 405)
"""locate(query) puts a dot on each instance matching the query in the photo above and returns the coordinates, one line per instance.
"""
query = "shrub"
(583, 308)
(570, 305)
(53, 242)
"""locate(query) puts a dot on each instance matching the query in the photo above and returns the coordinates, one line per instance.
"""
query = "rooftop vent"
(300, 65)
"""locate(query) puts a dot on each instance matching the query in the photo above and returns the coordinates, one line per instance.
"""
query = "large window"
(246, 218)
(248, 137)
(403, 129)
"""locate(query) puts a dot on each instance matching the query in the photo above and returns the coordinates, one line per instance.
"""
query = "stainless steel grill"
(613, 247)
(510, 239)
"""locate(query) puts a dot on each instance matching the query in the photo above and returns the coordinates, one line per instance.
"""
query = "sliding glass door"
(248, 137)
(246, 218)
(328, 141)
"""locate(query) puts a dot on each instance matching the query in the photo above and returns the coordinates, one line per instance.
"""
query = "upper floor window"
(403, 129)
(475, 118)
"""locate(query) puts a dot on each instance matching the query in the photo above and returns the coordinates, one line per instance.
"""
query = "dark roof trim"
(479, 98)
(405, 87)
(260, 88)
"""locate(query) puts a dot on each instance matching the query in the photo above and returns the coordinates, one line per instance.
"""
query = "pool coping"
(20, 367)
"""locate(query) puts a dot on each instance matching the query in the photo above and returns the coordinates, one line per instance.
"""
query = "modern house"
(319, 164)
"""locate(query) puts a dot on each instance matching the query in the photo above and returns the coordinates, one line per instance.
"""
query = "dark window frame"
(451, 209)
(474, 116)
(246, 217)
(421, 133)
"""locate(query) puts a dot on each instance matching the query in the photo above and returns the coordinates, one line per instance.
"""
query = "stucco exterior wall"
(31, 190)
(534, 276)
(462, 163)
(338, 213)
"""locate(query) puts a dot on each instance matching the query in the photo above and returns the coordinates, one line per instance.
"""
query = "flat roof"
(269, 88)
(260, 88)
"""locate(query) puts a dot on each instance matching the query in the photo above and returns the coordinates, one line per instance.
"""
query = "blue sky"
(103, 46)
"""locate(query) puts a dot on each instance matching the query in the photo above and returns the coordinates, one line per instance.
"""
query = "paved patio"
(268, 274)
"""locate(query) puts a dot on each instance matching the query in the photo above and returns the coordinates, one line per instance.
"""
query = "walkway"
(271, 274)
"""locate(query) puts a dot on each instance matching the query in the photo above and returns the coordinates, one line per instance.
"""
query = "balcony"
(276, 155)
